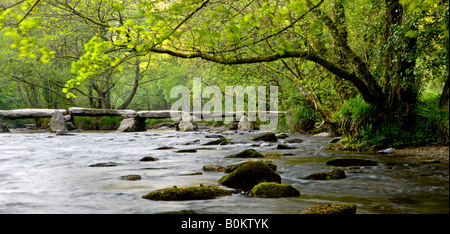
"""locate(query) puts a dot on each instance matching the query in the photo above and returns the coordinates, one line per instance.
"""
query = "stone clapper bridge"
(132, 121)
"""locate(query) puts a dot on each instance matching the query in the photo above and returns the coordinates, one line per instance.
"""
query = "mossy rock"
(272, 154)
(284, 146)
(248, 153)
(233, 167)
(331, 175)
(250, 174)
(184, 212)
(294, 140)
(268, 136)
(130, 177)
(107, 164)
(335, 209)
(148, 159)
(186, 151)
(347, 162)
(274, 190)
(188, 193)
(212, 167)
(282, 136)
(220, 141)
(165, 148)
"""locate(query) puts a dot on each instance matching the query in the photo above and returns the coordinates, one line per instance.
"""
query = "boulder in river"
(284, 146)
(212, 167)
(232, 126)
(294, 140)
(282, 136)
(3, 127)
(57, 122)
(185, 151)
(386, 151)
(347, 162)
(220, 141)
(248, 153)
(268, 136)
(108, 164)
(128, 125)
(186, 126)
(334, 209)
(331, 175)
(148, 159)
(130, 177)
(245, 125)
(273, 190)
(250, 174)
(165, 148)
(233, 167)
(188, 193)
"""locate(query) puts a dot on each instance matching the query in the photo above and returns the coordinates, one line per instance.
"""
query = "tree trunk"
(399, 83)
(444, 100)
(137, 78)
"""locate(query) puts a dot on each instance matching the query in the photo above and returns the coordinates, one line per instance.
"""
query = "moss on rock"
(188, 193)
(346, 162)
(268, 136)
(274, 190)
(130, 177)
(148, 159)
(250, 174)
(248, 153)
(233, 167)
(331, 175)
(332, 209)
(220, 141)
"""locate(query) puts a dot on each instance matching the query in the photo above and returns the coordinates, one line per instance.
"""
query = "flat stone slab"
(78, 111)
(161, 114)
(30, 113)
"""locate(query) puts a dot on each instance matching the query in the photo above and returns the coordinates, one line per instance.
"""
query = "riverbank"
(440, 153)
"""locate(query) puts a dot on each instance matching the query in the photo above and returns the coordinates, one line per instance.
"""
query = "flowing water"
(44, 173)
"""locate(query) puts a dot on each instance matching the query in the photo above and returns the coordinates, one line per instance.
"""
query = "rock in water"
(245, 125)
(386, 151)
(250, 174)
(233, 167)
(220, 141)
(108, 164)
(211, 167)
(248, 153)
(186, 126)
(284, 146)
(268, 136)
(130, 177)
(189, 193)
(332, 175)
(148, 159)
(274, 190)
(346, 162)
(131, 125)
(3, 127)
(57, 122)
(336, 209)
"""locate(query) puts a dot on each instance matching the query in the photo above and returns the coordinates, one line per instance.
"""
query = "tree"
(376, 54)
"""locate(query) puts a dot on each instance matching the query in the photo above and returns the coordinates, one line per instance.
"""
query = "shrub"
(365, 128)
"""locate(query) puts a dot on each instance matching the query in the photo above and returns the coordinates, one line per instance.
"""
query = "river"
(44, 173)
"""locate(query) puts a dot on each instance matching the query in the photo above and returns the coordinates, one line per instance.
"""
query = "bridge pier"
(131, 120)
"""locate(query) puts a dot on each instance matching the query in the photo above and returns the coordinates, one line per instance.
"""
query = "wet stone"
(346, 162)
(130, 177)
(107, 164)
(148, 159)
(248, 153)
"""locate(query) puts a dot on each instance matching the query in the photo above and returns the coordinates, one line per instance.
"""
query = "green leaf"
(411, 34)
